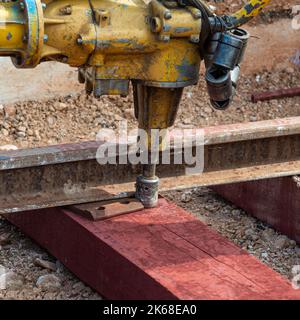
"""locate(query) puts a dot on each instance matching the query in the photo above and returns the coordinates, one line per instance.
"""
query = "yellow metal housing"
(117, 38)
(112, 42)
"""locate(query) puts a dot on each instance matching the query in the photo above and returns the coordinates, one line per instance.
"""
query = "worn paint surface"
(274, 201)
(21, 32)
(12, 21)
(276, 94)
(110, 34)
(112, 42)
(250, 10)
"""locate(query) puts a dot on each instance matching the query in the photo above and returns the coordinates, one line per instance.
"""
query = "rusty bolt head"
(164, 38)
(168, 15)
(67, 10)
(79, 41)
(197, 14)
(194, 38)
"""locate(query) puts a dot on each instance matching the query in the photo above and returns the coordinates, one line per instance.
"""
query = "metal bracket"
(106, 209)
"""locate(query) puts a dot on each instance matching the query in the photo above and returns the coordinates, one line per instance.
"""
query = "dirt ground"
(54, 109)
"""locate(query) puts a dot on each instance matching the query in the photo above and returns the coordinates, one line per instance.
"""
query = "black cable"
(206, 30)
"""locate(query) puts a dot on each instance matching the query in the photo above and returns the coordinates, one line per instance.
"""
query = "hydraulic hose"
(229, 22)
(249, 11)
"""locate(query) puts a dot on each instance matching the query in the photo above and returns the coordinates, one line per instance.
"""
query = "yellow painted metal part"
(249, 11)
(12, 29)
(118, 39)
(21, 31)
(178, 64)
(127, 47)
(64, 23)
(113, 42)
(154, 45)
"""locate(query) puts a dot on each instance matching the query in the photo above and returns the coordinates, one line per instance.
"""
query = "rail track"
(170, 252)
(70, 174)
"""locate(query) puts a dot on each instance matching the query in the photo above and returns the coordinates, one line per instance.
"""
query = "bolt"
(197, 14)
(79, 41)
(9, 36)
(45, 38)
(168, 15)
(24, 39)
(164, 38)
(44, 6)
(194, 38)
(67, 10)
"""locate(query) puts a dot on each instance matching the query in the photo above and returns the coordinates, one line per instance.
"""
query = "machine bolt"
(194, 38)
(45, 38)
(168, 15)
(164, 38)
(79, 41)
(197, 14)
(67, 10)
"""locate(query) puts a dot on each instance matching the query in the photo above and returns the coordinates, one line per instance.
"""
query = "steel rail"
(69, 174)
(276, 94)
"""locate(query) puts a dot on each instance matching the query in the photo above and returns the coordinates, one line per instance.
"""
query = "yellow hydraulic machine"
(156, 45)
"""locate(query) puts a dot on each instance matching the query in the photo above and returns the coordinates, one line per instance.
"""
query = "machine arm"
(249, 11)
(157, 46)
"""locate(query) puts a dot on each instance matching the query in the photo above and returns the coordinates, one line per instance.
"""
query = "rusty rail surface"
(69, 174)
(277, 94)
